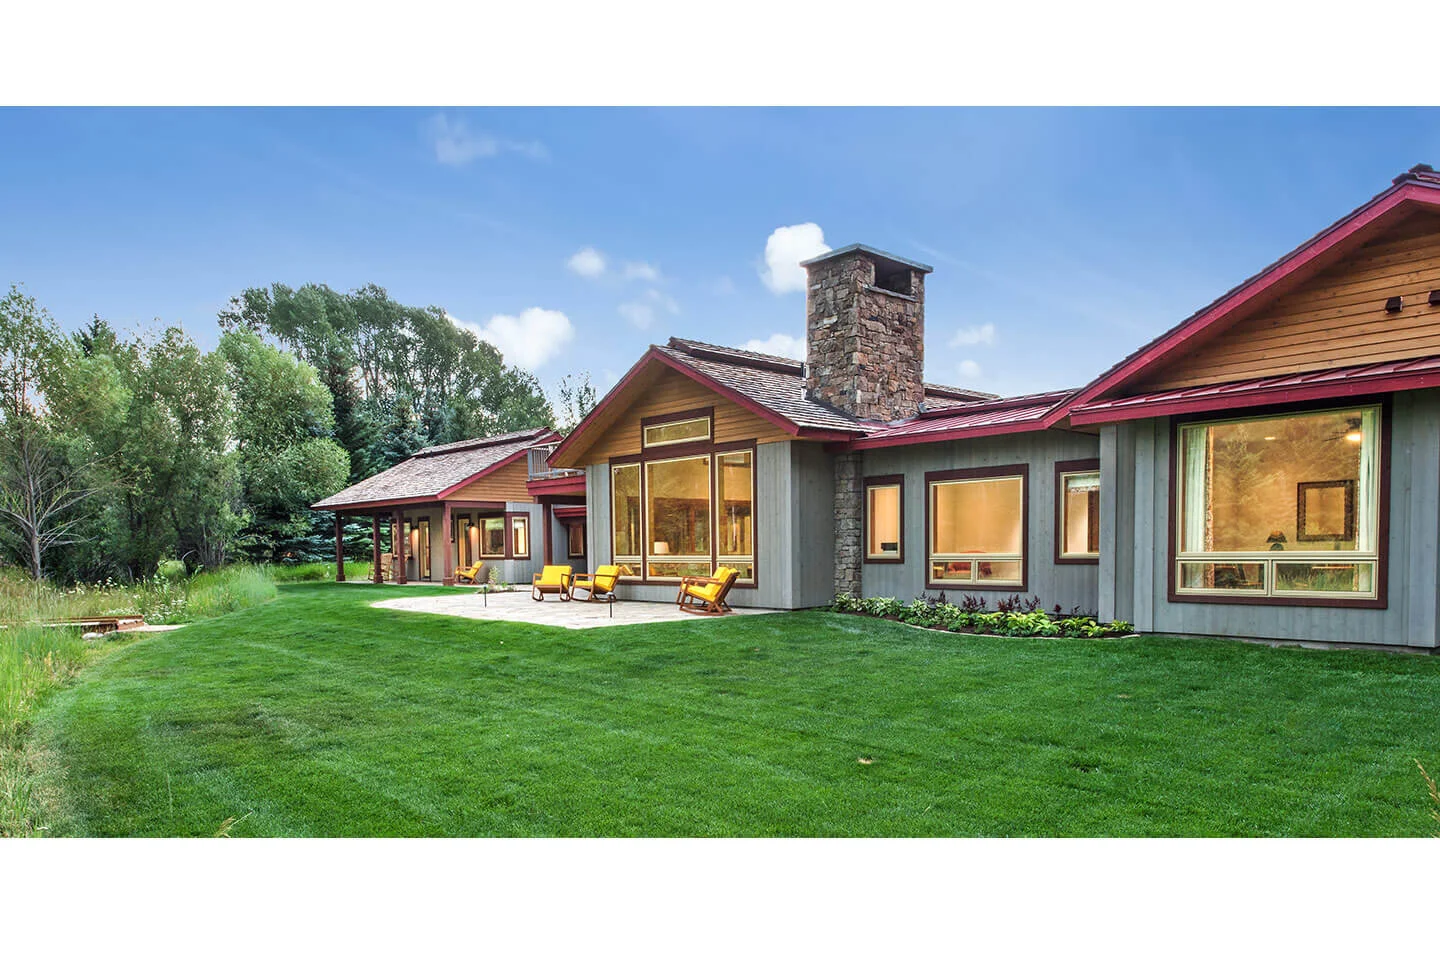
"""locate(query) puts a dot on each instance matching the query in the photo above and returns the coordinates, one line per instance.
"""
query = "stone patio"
(517, 607)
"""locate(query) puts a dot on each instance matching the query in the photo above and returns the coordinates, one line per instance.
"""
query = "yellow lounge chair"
(599, 585)
(706, 595)
(550, 580)
(470, 574)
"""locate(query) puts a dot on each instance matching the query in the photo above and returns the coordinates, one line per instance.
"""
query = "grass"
(36, 660)
(318, 715)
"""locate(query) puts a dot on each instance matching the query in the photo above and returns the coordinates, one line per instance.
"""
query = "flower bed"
(1015, 619)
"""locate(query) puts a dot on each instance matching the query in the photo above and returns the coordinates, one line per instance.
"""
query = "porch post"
(339, 549)
(375, 571)
(447, 567)
(400, 548)
(545, 514)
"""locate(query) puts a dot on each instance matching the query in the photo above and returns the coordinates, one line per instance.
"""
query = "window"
(678, 431)
(1077, 485)
(625, 529)
(492, 537)
(520, 538)
(977, 527)
(575, 535)
(1280, 506)
(677, 517)
(884, 518)
(421, 548)
(462, 542)
(735, 512)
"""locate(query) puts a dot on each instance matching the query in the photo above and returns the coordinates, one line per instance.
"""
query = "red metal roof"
(988, 418)
(1287, 388)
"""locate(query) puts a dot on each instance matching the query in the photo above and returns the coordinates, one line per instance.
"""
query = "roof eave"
(1403, 195)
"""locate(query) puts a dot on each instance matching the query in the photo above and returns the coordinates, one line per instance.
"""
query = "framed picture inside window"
(1325, 510)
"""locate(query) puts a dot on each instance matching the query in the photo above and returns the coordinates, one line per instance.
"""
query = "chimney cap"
(887, 259)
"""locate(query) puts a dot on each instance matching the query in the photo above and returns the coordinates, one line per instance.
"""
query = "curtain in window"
(1196, 449)
(1369, 485)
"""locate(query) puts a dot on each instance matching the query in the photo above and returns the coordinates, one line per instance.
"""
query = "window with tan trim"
(625, 513)
(520, 538)
(677, 517)
(884, 519)
(1281, 506)
(1079, 530)
(977, 528)
(492, 537)
(677, 431)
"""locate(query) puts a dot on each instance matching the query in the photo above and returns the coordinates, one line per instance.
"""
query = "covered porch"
(431, 540)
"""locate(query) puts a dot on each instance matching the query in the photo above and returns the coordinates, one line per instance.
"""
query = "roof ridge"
(743, 357)
(475, 443)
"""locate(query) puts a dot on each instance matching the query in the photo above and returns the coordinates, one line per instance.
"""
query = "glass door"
(422, 549)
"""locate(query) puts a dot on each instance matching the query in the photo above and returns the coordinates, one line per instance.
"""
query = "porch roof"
(435, 472)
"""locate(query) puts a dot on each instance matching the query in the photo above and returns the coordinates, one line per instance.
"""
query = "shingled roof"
(431, 473)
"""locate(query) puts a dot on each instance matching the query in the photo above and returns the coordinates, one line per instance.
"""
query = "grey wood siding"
(788, 501)
(1135, 466)
(1069, 585)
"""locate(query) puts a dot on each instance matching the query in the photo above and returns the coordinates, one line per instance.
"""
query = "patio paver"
(517, 607)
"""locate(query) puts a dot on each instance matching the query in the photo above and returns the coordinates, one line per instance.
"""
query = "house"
(846, 473)
(1268, 468)
(493, 500)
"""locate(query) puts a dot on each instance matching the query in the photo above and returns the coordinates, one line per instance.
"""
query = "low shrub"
(1014, 617)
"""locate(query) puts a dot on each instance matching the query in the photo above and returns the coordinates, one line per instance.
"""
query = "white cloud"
(971, 336)
(779, 345)
(643, 311)
(784, 249)
(641, 270)
(456, 144)
(526, 341)
(588, 263)
(969, 370)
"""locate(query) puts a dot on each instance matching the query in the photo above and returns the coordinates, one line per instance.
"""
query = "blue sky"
(1061, 239)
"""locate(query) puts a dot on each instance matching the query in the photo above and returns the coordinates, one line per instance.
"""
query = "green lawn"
(318, 715)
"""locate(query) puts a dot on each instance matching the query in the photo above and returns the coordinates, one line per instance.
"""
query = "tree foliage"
(399, 377)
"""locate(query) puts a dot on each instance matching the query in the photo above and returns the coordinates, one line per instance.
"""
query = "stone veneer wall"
(865, 345)
(848, 521)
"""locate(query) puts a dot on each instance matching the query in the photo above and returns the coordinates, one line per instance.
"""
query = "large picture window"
(1280, 506)
(884, 519)
(977, 528)
(677, 517)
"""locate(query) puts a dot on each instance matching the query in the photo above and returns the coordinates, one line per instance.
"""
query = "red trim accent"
(1310, 257)
(570, 513)
(557, 486)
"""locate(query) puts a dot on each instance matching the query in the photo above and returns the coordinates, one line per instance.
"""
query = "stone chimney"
(865, 332)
